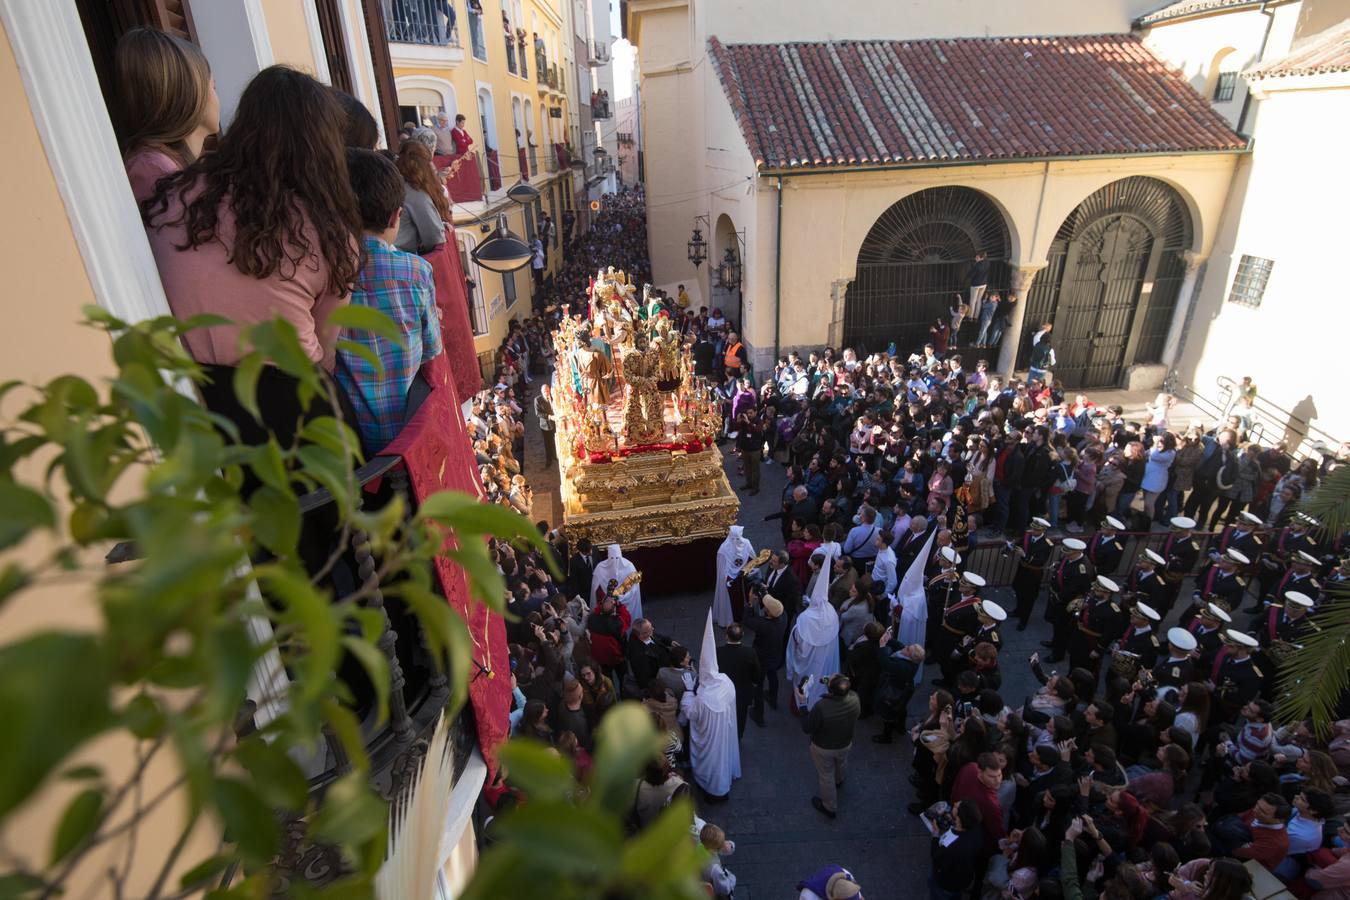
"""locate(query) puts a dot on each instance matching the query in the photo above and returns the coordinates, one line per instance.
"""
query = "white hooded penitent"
(710, 711)
(735, 552)
(813, 649)
(616, 567)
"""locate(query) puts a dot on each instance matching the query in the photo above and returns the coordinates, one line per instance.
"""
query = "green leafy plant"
(1314, 681)
(213, 587)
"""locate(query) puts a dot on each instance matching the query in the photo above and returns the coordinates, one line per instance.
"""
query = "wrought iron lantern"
(698, 248)
(502, 252)
(729, 271)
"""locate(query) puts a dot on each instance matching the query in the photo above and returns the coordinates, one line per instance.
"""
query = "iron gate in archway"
(1111, 282)
(915, 258)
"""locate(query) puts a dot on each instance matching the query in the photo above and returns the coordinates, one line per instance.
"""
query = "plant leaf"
(377, 668)
(26, 511)
(78, 822)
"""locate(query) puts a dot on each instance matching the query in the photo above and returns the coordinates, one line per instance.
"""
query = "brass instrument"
(627, 584)
(758, 561)
(1125, 664)
(1280, 650)
(1075, 606)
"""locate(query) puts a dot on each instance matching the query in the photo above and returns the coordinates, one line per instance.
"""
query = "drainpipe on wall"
(1260, 55)
(778, 271)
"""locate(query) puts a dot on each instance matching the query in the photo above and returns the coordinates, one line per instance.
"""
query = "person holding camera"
(956, 852)
(830, 724)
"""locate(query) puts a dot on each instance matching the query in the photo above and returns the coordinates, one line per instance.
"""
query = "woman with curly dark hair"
(261, 227)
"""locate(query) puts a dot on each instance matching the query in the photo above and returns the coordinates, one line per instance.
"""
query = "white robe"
(714, 751)
(913, 601)
(616, 567)
(813, 649)
(735, 547)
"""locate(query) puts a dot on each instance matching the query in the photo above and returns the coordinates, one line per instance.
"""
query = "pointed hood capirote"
(734, 553)
(615, 567)
(715, 690)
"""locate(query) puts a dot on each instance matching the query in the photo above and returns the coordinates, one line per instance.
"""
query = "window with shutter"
(334, 44)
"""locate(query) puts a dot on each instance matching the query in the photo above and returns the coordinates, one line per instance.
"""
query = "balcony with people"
(291, 352)
(600, 105)
(427, 22)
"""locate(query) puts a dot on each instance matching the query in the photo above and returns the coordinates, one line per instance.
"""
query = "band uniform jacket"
(1070, 579)
(1207, 643)
(1105, 553)
(1148, 588)
(1248, 543)
(1181, 554)
(1224, 587)
(1281, 548)
(1143, 643)
(1293, 581)
(941, 592)
(1236, 681)
(1097, 625)
(1031, 567)
(958, 621)
(1173, 673)
(1280, 627)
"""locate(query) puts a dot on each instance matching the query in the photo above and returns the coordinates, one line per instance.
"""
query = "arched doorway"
(916, 257)
(728, 298)
(1111, 282)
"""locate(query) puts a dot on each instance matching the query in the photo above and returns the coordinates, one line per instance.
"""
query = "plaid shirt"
(399, 285)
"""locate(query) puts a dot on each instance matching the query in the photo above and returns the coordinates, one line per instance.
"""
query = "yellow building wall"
(46, 285)
(288, 33)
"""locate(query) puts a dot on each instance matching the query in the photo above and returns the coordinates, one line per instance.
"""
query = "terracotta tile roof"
(1327, 52)
(1191, 8)
(862, 103)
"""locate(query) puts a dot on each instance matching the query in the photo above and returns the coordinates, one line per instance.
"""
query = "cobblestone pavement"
(779, 837)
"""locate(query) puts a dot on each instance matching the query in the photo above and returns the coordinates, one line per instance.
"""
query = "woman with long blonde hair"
(166, 105)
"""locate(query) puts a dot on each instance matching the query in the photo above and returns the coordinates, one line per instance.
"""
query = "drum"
(1125, 664)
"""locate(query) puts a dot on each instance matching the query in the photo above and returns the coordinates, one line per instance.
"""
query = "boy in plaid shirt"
(397, 284)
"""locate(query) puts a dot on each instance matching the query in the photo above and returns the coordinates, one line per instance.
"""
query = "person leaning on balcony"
(167, 105)
(397, 284)
(445, 135)
(260, 229)
(425, 209)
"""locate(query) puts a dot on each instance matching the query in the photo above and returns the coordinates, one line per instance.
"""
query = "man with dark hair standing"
(978, 782)
(957, 853)
(979, 282)
(830, 724)
(741, 664)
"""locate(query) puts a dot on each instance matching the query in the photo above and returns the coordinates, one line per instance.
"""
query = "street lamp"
(729, 272)
(698, 248)
(523, 193)
(503, 252)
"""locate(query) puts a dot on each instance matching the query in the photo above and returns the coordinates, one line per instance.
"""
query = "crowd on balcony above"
(259, 228)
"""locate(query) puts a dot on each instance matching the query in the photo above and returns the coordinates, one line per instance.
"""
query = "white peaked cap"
(1148, 612)
(1298, 599)
(1307, 558)
(1250, 518)
(1238, 557)
(715, 690)
(972, 578)
(1113, 522)
(1241, 639)
(993, 610)
(1183, 522)
(1217, 613)
(1154, 556)
(1040, 523)
(1074, 544)
(1103, 581)
(949, 553)
(1181, 638)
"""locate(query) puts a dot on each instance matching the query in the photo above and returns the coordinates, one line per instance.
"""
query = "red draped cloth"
(438, 456)
(456, 332)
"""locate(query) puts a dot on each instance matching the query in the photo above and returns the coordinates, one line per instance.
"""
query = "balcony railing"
(465, 179)
(555, 78)
(428, 22)
(510, 54)
(601, 109)
(563, 156)
(494, 171)
(540, 66)
(524, 161)
(599, 53)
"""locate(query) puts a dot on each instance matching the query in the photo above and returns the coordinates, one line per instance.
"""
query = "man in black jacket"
(580, 570)
(645, 652)
(767, 622)
(741, 664)
(1027, 500)
(957, 852)
(1048, 769)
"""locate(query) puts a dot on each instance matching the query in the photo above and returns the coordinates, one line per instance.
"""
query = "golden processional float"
(637, 450)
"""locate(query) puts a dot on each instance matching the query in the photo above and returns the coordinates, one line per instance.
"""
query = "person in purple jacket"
(830, 883)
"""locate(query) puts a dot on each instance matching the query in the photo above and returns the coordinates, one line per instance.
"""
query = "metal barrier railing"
(991, 561)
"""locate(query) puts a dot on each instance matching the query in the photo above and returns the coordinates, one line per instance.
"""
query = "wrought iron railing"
(428, 22)
(601, 109)
(540, 66)
(477, 37)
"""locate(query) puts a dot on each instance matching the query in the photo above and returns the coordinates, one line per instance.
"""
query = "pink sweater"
(203, 280)
(147, 166)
